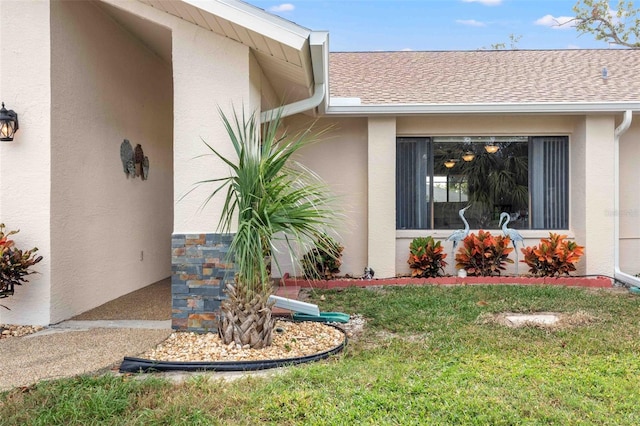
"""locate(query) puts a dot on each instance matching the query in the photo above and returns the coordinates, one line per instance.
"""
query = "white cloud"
(470, 23)
(556, 22)
(485, 2)
(407, 49)
(284, 7)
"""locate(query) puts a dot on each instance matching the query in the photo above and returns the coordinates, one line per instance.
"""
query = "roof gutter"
(319, 49)
(338, 108)
(618, 274)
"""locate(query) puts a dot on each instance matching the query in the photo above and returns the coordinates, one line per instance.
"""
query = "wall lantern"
(450, 163)
(468, 156)
(8, 124)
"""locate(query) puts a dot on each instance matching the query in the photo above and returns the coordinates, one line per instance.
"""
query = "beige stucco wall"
(376, 143)
(339, 157)
(110, 234)
(578, 184)
(381, 208)
(108, 86)
(209, 72)
(204, 83)
(629, 213)
(25, 86)
(598, 201)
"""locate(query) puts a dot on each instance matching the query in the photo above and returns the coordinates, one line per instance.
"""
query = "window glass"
(523, 176)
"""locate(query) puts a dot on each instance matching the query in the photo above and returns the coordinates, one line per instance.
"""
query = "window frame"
(530, 231)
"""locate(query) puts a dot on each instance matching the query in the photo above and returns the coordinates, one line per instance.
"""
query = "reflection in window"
(524, 176)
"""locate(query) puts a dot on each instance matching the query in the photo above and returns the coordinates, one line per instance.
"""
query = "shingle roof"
(469, 77)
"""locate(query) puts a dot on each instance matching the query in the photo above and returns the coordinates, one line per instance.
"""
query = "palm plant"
(268, 194)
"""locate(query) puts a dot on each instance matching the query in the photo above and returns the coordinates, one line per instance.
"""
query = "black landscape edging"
(140, 365)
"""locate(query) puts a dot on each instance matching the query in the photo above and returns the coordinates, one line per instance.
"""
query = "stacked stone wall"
(200, 271)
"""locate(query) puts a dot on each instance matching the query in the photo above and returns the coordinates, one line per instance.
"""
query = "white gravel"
(290, 340)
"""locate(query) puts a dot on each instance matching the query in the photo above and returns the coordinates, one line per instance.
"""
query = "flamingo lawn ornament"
(513, 234)
(459, 234)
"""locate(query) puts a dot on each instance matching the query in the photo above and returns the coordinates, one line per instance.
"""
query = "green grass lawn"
(428, 356)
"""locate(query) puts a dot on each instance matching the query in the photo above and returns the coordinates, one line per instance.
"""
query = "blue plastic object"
(323, 317)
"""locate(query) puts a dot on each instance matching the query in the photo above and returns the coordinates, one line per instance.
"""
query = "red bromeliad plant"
(554, 256)
(426, 258)
(484, 255)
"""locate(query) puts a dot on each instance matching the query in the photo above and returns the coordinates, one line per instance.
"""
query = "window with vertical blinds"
(527, 177)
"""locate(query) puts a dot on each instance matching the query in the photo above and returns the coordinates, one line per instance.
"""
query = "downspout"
(319, 53)
(295, 107)
(627, 279)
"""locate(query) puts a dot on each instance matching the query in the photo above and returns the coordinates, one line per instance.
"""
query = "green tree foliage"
(616, 23)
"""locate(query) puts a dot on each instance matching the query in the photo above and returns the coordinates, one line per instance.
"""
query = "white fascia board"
(256, 19)
(319, 47)
(519, 108)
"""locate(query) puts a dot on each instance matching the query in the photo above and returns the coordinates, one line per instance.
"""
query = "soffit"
(280, 46)
(156, 37)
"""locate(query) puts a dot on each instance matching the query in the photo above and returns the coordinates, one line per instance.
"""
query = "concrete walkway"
(75, 325)
(64, 351)
(94, 341)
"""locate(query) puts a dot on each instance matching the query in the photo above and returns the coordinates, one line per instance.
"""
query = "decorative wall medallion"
(138, 158)
(134, 162)
(145, 168)
(126, 154)
(131, 168)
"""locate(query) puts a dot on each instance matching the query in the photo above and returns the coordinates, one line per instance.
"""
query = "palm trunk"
(246, 317)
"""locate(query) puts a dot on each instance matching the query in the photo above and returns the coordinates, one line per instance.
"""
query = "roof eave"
(488, 108)
(256, 19)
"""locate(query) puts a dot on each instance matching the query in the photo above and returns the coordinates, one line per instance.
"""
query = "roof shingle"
(478, 77)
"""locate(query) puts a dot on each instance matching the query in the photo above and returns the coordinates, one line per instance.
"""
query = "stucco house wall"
(598, 194)
(204, 83)
(82, 83)
(25, 165)
(110, 233)
(590, 139)
(339, 157)
(629, 212)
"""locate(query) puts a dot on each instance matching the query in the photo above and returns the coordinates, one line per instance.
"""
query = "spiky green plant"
(269, 193)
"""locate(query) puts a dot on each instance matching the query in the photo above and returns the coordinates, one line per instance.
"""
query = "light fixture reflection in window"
(468, 156)
(450, 163)
(491, 149)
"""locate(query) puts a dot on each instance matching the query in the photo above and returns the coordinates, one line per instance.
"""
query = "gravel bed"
(11, 330)
(290, 340)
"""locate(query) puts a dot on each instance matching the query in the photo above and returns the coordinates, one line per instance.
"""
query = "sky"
(385, 25)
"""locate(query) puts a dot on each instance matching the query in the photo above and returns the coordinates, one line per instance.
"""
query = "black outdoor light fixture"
(8, 124)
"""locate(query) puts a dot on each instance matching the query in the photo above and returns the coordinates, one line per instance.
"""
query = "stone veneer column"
(199, 275)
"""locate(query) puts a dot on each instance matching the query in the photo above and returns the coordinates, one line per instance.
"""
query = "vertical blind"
(412, 193)
(549, 182)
